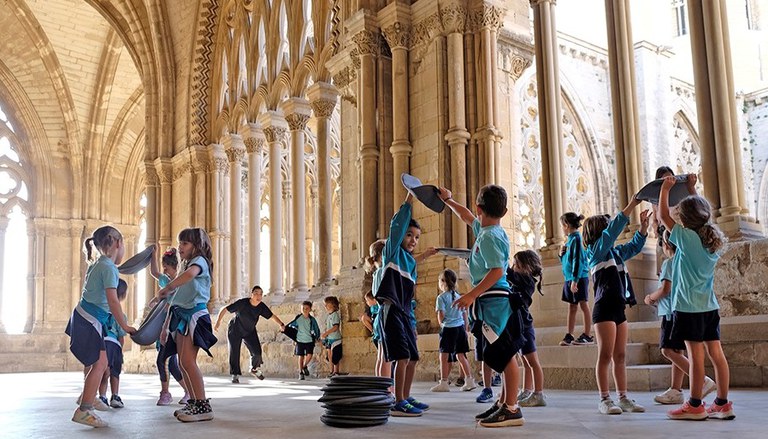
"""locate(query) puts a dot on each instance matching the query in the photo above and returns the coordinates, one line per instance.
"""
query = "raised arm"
(460, 211)
(398, 227)
(691, 183)
(664, 216)
(154, 270)
(421, 257)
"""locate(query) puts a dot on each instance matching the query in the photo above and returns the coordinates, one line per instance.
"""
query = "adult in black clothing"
(242, 328)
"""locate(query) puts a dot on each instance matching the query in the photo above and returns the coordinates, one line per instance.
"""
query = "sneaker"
(184, 399)
(88, 417)
(488, 412)
(115, 402)
(486, 395)
(630, 406)
(442, 386)
(200, 411)
(504, 417)
(523, 394)
(709, 386)
(101, 404)
(165, 398)
(301, 375)
(534, 400)
(330, 375)
(187, 407)
(469, 385)
(305, 370)
(670, 396)
(496, 380)
(567, 340)
(689, 412)
(418, 404)
(258, 373)
(724, 412)
(608, 407)
(459, 382)
(403, 408)
(584, 339)
(235, 379)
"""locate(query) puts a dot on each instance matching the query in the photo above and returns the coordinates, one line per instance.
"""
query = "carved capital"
(487, 17)
(323, 107)
(235, 155)
(275, 134)
(398, 35)
(454, 19)
(164, 169)
(297, 121)
(254, 144)
(152, 179)
(367, 42)
(220, 165)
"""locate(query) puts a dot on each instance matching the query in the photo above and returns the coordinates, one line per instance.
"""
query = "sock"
(604, 396)
(720, 401)
(679, 390)
(694, 402)
(86, 407)
(622, 394)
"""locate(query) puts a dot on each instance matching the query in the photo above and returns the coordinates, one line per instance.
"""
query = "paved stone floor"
(40, 405)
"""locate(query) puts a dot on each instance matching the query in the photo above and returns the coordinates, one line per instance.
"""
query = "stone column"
(254, 145)
(288, 262)
(218, 170)
(717, 115)
(323, 97)
(368, 46)
(164, 167)
(3, 227)
(235, 155)
(297, 113)
(275, 127)
(152, 182)
(395, 20)
(550, 123)
(454, 22)
(626, 124)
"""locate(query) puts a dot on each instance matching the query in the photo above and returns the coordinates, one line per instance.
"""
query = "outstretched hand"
(463, 302)
(130, 330)
(668, 182)
(445, 194)
(645, 221)
(691, 183)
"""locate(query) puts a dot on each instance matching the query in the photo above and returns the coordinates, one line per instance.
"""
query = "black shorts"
(303, 349)
(477, 332)
(665, 336)
(529, 346)
(336, 351)
(114, 358)
(607, 310)
(582, 295)
(454, 340)
(498, 354)
(696, 326)
(397, 335)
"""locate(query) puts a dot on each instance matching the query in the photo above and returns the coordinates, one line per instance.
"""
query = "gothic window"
(688, 155)
(14, 241)
(681, 17)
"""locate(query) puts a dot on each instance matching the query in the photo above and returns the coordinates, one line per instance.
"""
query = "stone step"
(644, 378)
(586, 355)
(34, 343)
(34, 362)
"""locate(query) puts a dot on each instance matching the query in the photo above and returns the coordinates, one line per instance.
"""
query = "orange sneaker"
(724, 411)
(689, 412)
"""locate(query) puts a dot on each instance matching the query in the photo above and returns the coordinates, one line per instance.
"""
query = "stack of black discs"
(356, 401)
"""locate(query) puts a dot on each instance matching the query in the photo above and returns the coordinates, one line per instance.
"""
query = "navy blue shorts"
(665, 336)
(336, 351)
(86, 336)
(200, 327)
(529, 346)
(303, 349)
(114, 358)
(696, 326)
(397, 334)
(454, 340)
(607, 310)
(582, 295)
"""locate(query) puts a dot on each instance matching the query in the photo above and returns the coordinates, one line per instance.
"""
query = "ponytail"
(88, 249)
(695, 213)
(711, 237)
(102, 240)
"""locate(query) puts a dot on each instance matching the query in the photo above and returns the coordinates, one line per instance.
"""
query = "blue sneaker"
(486, 395)
(403, 408)
(419, 405)
(496, 380)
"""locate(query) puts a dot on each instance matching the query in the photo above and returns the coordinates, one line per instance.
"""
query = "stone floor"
(39, 405)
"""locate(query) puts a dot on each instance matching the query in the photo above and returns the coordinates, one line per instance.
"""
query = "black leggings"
(173, 365)
(251, 340)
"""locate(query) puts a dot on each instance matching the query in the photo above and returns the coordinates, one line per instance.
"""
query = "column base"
(276, 297)
(550, 255)
(300, 293)
(740, 227)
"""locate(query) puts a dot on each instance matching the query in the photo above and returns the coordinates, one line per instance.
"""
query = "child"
(89, 319)
(189, 324)
(522, 277)
(453, 332)
(367, 319)
(242, 329)
(394, 286)
(306, 335)
(373, 267)
(331, 337)
(114, 348)
(671, 348)
(576, 288)
(613, 290)
(493, 311)
(694, 305)
(169, 263)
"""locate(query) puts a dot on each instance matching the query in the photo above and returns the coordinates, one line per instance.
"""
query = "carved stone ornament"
(221, 165)
(323, 107)
(274, 134)
(297, 121)
(235, 155)
(489, 17)
(254, 144)
(398, 35)
(367, 42)
(181, 170)
(454, 19)
(152, 179)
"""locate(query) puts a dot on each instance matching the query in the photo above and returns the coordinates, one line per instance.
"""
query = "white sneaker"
(709, 386)
(100, 403)
(469, 384)
(670, 396)
(88, 417)
(608, 407)
(630, 406)
(534, 400)
(442, 386)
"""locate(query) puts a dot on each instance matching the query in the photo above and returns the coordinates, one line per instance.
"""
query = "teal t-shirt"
(304, 327)
(163, 280)
(198, 290)
(664, 305)
(693, 273)
(100, 275)
(452, 316)
(334, 318)
(491, 250)
(114, 330)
